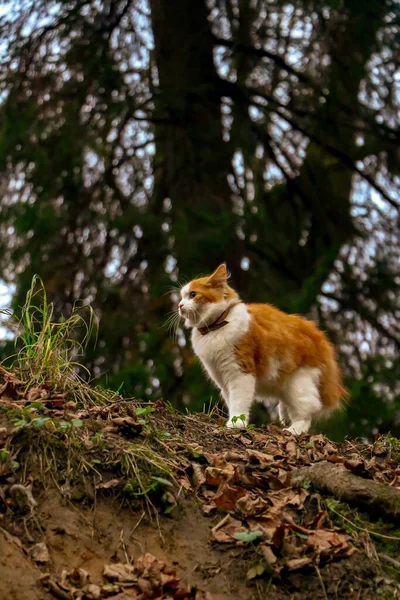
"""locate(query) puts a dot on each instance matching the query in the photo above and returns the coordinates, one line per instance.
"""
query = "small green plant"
(6, 458)
(247, 536)
(242, 418)
(66, 426)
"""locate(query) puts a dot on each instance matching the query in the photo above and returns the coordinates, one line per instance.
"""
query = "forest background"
(143, 142)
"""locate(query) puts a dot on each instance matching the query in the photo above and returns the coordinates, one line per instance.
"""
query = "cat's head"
(203, 300)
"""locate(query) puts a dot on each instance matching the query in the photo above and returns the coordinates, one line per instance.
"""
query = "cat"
(254, 352)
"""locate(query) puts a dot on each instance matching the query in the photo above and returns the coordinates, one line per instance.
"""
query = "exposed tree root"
(342, 484)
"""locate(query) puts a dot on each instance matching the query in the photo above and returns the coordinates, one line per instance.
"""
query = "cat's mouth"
(188, 313)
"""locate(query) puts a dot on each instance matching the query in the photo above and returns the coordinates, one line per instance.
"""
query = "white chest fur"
(216, 349)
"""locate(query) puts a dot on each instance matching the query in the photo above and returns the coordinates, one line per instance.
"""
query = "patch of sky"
(6, 292)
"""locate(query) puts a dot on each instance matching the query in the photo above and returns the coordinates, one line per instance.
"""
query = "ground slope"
(131, 500)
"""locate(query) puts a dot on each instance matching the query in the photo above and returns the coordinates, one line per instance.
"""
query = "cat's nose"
(180, 305)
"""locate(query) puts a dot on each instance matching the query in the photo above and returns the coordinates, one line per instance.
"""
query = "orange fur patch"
(294, 343)
(207, 292)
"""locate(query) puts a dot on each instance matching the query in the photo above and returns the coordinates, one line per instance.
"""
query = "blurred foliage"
(143, 141)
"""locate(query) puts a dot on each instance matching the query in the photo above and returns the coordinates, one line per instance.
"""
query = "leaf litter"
(242, 479)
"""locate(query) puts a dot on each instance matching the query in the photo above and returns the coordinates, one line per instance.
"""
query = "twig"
(122, 543)
(382, 535)
(392, 561)
(321, 581)
(220, 524)
(138, 523)
(57, 591)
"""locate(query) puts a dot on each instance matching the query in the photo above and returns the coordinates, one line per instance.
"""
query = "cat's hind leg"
(241, 396)
(302, 399)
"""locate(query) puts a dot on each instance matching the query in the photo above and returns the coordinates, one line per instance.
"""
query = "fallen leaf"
(245, 440)
(39, 553)
(330, 448)
(108, 484)
(224, 531)
(34, 393)
(256, 457)
(328, 539)
(357, 467)
(228, 495)
(185, 483)
(198, 476)
(144, 586)
(79, 577)
(291, 448)
(125, 595)
(215, 476)
(127, 425)
(247, 536)
(92, 591)
(268, 555)
(120, 572)
(298, 563)
(251, 505)
(255, 571)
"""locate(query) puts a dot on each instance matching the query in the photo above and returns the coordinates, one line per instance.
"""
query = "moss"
(382, 533)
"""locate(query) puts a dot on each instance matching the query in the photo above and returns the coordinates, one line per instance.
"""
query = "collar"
(220, 322)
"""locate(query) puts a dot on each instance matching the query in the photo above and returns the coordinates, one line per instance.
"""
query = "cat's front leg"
(241, 396)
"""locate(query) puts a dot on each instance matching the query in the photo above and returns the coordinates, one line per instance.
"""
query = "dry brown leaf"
(228, 495)
(39, 553)
(250, 505)
(256, 457)
(207, 509)
(127, 424)
(120, 572)
(278, 536)
(318, 520)
(198, 476)
(185, 483)
(233, 456)
(125, 595)
(245, 440)
(215, 476)
(268, 554)
(291, 448)
(92, 591)
(79, 577)
(224, 531)
(108, 484)
(298, 563)
(330, 448)
(335, 459)
(144, 586)
(318, 440)
(327, 539)
(356, 466)
(214, 459)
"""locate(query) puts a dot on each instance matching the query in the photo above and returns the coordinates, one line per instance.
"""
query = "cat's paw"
(298, 427)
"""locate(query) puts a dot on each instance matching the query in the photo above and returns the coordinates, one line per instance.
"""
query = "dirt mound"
(132, 500)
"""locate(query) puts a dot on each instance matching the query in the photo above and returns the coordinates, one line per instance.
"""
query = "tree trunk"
(192, 161)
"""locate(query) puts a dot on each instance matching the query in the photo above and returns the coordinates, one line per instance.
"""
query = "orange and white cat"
(254, 352)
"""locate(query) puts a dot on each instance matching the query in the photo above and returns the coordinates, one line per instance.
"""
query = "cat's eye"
(192, 294)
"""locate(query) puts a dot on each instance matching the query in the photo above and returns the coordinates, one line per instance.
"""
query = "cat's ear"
(219, 277)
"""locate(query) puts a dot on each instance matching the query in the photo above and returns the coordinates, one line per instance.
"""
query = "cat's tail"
(332, 390)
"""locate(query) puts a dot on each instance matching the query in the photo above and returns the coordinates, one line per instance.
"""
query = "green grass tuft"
(48, 350)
